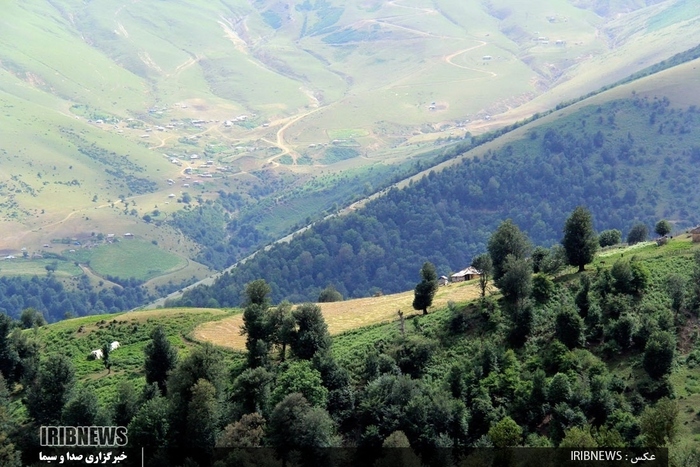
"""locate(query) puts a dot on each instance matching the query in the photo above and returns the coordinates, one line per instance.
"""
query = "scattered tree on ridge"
(516, 282)
(638, 233)
(663, 228)
(508, 239)
(330, 294)
(426, 288)
(255, 323)
(609, 237)
(580, 241)
(311, 333)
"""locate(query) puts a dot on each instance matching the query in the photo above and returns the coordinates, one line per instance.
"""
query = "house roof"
(468, 271)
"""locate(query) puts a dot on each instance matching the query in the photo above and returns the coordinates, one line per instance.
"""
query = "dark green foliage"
(9, 358)
(569, 327)
(295, 424)
(538, 256)
(516, 281)
(258, 337)
(426, 288)
(484, 264)
(580, 241)
(609, 237)
(160, 359)
(506, 433)
(559, 389)
(31, 317)
(311, 334)
(507, 240)
(663, 228)
(125, 405)
(202, 418)
(51, 390)
(256, 323)
(9, 455)
(51, 299)
(583, 299)
(542, 288)
(257, 293)
(82, 409)
(251, 390)
(555, 260)
(412, 354)
(658, 354)
(300, 377)
(676, 289)
(151, 425)
(329, 294)
(630, 277)
(638, 233)
(659, 424)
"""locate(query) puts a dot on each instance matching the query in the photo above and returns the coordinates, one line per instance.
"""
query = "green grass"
(347, 133)
(130, 258)
(76, 338)
(37, 267)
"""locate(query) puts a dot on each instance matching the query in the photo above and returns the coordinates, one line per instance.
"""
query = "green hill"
(298, 108)
(629, 154)
(598, 358)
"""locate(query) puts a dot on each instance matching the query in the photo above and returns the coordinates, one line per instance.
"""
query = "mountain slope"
(629, 154)
(378, 78)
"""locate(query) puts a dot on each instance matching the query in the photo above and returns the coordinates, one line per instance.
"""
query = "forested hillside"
(607, 357)
(630, 160)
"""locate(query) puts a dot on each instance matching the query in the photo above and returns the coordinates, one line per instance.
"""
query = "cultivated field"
(346, 315)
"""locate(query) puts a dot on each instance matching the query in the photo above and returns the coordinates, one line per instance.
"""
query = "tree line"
(599, 156)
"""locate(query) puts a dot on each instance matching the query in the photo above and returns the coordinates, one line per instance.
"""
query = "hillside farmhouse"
(465, 274)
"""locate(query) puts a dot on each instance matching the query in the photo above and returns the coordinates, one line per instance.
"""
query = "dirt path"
(450, 57)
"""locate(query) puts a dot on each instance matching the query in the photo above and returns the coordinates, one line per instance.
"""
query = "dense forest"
(571, 361)
(55, 301)
(632, 160)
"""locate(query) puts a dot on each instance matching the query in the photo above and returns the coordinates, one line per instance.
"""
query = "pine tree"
(580, 241)
(426, 288)
(508, 239)
(160, 359)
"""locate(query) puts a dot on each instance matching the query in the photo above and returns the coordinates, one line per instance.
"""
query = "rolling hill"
(629, 154)
(107, 104)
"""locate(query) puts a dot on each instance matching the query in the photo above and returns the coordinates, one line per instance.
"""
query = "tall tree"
(106, 360)
(508, 239)
(160, 359)
(255, 323)
(125, 404)
(50, 391)
(426, 288)
(483, 264)
(580, 241)
(311, 333)
(202, 417)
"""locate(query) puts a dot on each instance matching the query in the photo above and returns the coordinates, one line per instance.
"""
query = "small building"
(443, 280)
(465, 274)
(129, 235)
(486, 58)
